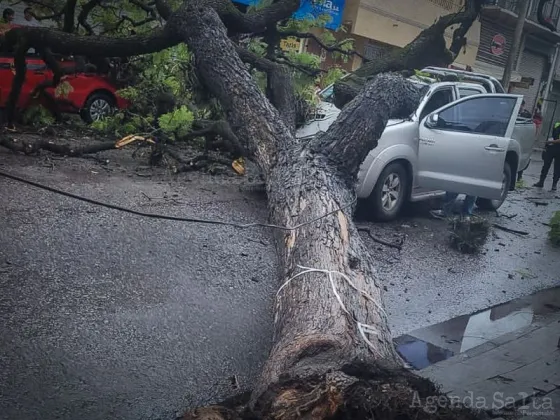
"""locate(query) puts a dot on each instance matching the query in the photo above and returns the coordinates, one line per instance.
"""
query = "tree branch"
(84, 13)
(310, 71)
(330, 48)
(60, 149)
(204, 127)
(148, 9)
(466, 18)
(20, 48)
(69, 15)
(92, 46)
(279, 82)
(355, 132)
(427, 49)
(205, 35)
(44, 5)
(238, 22)
(163, 9)
(132, 22)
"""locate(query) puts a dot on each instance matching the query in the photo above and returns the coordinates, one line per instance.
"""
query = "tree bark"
(332, 343)
(332, 355)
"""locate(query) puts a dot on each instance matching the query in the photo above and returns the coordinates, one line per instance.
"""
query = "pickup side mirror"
(432, 121)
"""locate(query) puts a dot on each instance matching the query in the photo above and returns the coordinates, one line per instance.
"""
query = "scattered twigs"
(398, 245)
(505, 229)
(201, 161)
(507, 216)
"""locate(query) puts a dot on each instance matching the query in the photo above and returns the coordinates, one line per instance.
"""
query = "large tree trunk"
(332, 355)
(332, 352)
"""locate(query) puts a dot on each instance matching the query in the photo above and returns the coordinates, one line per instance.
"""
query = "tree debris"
(468, 235)
(506, 229)
(398, 245)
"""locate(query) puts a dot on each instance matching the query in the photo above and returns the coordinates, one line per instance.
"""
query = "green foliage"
(176, 123)
(165, 74)
(171, 73)
(37, 116)
(424, 77)
(554, 233)
(333, 75)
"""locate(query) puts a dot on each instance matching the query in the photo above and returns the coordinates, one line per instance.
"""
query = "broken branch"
(60, 149)
(397, 245)
(330, 48)
(505, 229)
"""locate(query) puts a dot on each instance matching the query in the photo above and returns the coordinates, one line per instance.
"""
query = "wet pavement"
(109, 315)
(428, 282)
(427, 346)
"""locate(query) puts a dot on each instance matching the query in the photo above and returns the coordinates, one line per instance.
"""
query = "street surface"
(104, 314)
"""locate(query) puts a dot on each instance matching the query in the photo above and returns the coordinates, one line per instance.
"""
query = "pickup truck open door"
(463, 145)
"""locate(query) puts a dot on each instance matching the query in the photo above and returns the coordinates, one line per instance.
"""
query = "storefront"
(493, 51)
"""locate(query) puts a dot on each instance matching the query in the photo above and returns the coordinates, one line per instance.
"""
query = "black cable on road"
(164, 217)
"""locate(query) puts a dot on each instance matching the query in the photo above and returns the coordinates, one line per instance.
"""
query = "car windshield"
(327, 94)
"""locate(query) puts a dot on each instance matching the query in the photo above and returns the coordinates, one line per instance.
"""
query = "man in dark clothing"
(551, 153)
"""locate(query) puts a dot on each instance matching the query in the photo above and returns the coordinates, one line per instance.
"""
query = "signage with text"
(312, 9)
(290, 44)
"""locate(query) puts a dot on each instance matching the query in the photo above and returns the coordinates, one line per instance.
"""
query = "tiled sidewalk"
(520, 370)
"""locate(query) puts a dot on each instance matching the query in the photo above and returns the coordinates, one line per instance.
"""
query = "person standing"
(29, 17)
(551, 154)
(8, 15)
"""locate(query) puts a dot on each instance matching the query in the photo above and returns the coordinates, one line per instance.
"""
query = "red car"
(91, 95)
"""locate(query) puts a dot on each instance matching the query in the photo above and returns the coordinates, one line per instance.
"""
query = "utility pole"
(522, 7)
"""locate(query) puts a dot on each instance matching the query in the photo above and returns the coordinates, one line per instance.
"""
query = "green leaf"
(177, 122)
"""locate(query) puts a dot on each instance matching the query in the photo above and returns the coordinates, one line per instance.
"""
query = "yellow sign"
(290, 44)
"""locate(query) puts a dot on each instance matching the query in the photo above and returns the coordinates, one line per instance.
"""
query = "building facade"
(380, 26)
(536, 64)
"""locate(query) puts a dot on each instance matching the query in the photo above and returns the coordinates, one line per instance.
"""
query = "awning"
(495, 71)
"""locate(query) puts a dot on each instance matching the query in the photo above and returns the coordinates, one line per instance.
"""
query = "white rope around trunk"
(363, 329)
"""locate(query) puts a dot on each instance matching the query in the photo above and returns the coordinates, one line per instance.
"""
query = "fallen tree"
(333, 355)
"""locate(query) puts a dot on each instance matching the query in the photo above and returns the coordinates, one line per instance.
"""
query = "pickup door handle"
(494, 148)
(39, 72)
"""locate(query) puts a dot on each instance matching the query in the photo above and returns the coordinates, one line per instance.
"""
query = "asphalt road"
(108, 315)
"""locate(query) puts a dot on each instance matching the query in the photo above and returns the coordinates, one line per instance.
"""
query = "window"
(438, 99)
(327, 94)
(488, 116)
(468, 92)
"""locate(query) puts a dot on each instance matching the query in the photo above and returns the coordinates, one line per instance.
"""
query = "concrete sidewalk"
(519, 372)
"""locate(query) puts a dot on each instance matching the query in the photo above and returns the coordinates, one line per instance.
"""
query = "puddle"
(426, 346)
(420, 354)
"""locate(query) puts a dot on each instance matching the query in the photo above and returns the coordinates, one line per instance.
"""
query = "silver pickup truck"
(460, 139)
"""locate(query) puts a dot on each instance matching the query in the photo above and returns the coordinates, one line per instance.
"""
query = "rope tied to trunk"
(363, 329)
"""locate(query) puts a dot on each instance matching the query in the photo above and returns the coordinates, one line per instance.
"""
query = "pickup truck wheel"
(389, 194)
(486, 204)
(98, 106)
